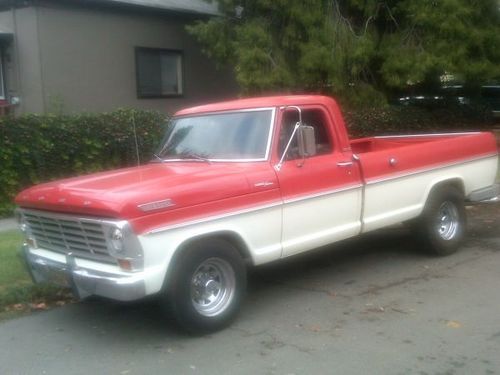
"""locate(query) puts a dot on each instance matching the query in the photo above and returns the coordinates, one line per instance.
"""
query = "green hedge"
(410, 120)
(38, 148)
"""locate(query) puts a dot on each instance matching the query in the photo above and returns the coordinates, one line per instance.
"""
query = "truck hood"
(120, 193)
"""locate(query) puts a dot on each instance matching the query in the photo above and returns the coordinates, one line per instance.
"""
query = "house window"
(159, 72)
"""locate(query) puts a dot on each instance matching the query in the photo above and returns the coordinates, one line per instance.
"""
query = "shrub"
(38, 148)
(363, 122)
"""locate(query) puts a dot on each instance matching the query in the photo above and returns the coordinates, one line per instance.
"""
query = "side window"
(311, 117)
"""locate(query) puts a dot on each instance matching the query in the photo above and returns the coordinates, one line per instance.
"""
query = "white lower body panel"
(258, 229)
(317, 221)
(391, 201)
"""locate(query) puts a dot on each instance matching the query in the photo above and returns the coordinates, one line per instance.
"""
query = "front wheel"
(442, 225)
(208, 286)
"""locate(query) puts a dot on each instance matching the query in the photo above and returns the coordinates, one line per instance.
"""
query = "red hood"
(118, 193)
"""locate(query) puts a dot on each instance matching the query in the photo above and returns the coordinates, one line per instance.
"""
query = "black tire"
(207, 287)
(441, 227)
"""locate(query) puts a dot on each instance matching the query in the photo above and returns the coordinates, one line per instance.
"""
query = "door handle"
(344, 163)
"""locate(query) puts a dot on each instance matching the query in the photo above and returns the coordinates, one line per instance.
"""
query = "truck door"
(321, 194)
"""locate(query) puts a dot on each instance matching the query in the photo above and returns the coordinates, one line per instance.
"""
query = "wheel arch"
(456, 182)
(441, 232)
(233, 238)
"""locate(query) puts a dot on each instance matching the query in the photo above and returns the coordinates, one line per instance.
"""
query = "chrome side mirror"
(295, 129)
(306, 141)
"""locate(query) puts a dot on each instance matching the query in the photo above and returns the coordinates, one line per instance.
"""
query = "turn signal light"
(125, 264)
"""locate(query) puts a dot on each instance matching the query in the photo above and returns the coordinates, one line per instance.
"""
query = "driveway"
(373, 305)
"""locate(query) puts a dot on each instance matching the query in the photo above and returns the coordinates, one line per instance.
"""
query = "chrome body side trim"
(312, 196)
(425, 135)
(323, 193)
(215, 217)
(253, 209)
(425, 170)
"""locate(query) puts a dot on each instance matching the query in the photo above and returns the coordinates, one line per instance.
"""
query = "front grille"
(82, 237)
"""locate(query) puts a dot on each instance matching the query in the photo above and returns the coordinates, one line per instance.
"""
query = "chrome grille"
(64, 234)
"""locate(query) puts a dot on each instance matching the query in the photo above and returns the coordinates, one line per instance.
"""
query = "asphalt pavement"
(373, 305)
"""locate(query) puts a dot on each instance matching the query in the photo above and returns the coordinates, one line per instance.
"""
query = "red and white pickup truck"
(242, 183)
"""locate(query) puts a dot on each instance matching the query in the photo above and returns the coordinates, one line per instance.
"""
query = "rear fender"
(455, 181)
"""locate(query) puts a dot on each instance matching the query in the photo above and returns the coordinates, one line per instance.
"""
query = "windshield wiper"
(158, 158)
(193, 156)
(188, 156)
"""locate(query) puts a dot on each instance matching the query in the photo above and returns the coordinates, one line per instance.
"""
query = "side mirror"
(306, 141)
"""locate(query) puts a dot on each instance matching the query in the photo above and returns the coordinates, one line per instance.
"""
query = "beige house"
(84, 55)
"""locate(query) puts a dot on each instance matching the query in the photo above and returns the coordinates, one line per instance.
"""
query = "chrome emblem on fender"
(158, 205)
(263, 184)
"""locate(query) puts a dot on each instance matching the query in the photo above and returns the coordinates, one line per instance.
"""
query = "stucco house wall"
(76, 57)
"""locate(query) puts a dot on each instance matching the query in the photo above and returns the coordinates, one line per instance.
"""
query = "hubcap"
(447, 221)
(212, 286)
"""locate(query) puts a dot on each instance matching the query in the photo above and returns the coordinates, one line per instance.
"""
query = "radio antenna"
(135, 140)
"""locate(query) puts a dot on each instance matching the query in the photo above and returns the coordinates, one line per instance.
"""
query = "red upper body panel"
(198, 189)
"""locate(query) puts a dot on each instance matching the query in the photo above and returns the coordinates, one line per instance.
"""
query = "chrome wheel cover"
(213, 287)
(448, 222)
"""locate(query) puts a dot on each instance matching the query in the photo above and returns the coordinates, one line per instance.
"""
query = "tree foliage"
(357, 49)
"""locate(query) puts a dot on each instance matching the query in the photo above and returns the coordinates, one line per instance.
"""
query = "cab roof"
(258, 102)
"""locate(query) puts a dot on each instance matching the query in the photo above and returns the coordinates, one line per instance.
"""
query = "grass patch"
(18, 294)
(11, 267)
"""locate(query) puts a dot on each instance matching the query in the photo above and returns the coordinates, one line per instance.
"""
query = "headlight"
(123, 245)
(117, 239)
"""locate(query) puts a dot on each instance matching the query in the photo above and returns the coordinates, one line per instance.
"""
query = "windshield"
(223, 136)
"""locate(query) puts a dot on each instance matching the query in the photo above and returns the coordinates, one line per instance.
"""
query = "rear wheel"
(441, 228)
(208, 286)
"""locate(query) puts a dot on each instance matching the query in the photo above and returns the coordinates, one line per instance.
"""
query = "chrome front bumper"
(84, 282)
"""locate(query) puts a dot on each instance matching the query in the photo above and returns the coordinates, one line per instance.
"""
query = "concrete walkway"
(8, 224)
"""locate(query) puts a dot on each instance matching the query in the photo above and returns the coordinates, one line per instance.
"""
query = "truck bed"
(379, 143)
(399, 171)
(390, 156)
